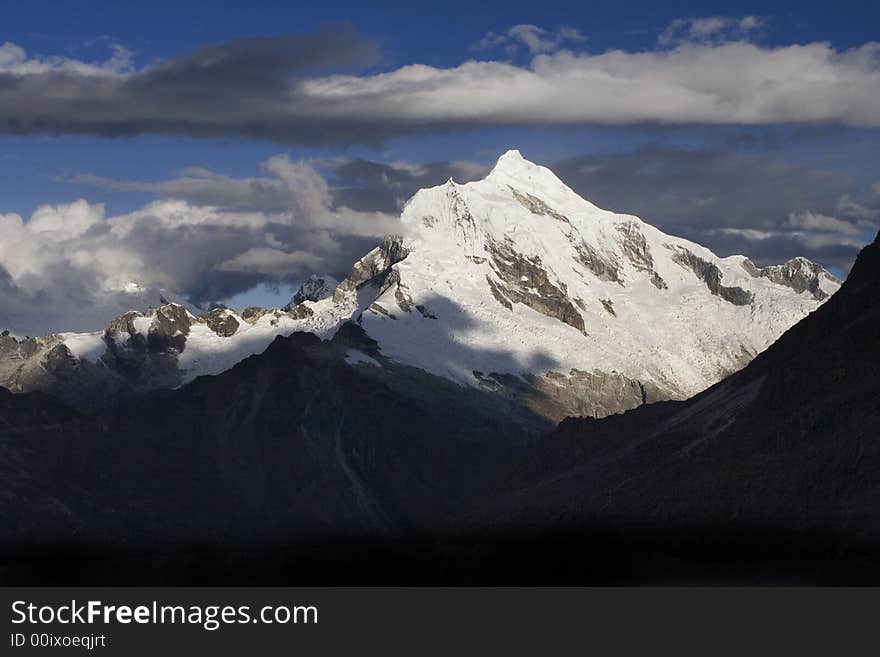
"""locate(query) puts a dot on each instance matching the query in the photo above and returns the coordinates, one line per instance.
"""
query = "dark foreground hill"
(774, 472)
(307, 444)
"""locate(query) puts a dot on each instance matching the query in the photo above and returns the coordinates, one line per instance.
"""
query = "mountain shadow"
(307, 444)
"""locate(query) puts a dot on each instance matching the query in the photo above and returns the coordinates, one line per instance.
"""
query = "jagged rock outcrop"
(372, 267)
(798, 273)
(523, 280)
(315, 288)
(710, 274)
(604, 268)
(636, 249)
(221, 321)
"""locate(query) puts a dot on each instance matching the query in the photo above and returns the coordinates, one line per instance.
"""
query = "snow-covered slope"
(517, 284)
(524, 275)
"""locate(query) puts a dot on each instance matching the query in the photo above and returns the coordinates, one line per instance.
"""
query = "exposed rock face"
(253, 313)
(135, 354)
(372, 266)
(637, 251)
(536, 206)
(498, 293)
(315, 288)
(798, 273)
(221, 321)
(711, 276)
(124, 324)
(604, 269)
(301, 312)
(523, 280)
(658, 282)
(464, 224)
(14, 353)
(576, 394)
(141, 361)
(171, 320)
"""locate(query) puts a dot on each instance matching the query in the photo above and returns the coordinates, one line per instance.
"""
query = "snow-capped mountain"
(513, 283)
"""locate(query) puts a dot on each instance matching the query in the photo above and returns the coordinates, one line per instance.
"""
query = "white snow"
(206, 352)
(85, 346)
(683, 337)
(142, 325)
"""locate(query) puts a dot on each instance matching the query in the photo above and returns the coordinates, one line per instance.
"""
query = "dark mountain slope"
(300, 444)
(786, 451)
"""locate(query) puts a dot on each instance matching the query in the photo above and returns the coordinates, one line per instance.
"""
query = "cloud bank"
(284, 88)
(69, 267)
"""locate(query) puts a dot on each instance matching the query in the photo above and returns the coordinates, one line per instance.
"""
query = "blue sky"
(408, 30)
(788, 175)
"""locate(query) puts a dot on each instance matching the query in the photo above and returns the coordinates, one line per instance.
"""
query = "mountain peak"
(513, 169)
(513, 154)
(512, 161)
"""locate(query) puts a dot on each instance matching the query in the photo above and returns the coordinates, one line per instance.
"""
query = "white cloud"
(69, 267)
(728, 83)
(61, 222)
(807, 231)
(270, 261)
(849, 207)
(535, 39)
(710, 29)
(14, 60)
(804, 240)
(821, 223)
(711, 74)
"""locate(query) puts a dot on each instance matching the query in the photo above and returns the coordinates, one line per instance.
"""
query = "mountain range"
(513, 284)
(401, 426)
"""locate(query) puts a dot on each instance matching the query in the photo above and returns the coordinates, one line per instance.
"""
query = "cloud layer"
(282, 88)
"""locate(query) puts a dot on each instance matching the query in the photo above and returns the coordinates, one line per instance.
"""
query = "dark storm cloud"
(241, 87)
(761, 206)
(383, 187)
(359, 184)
